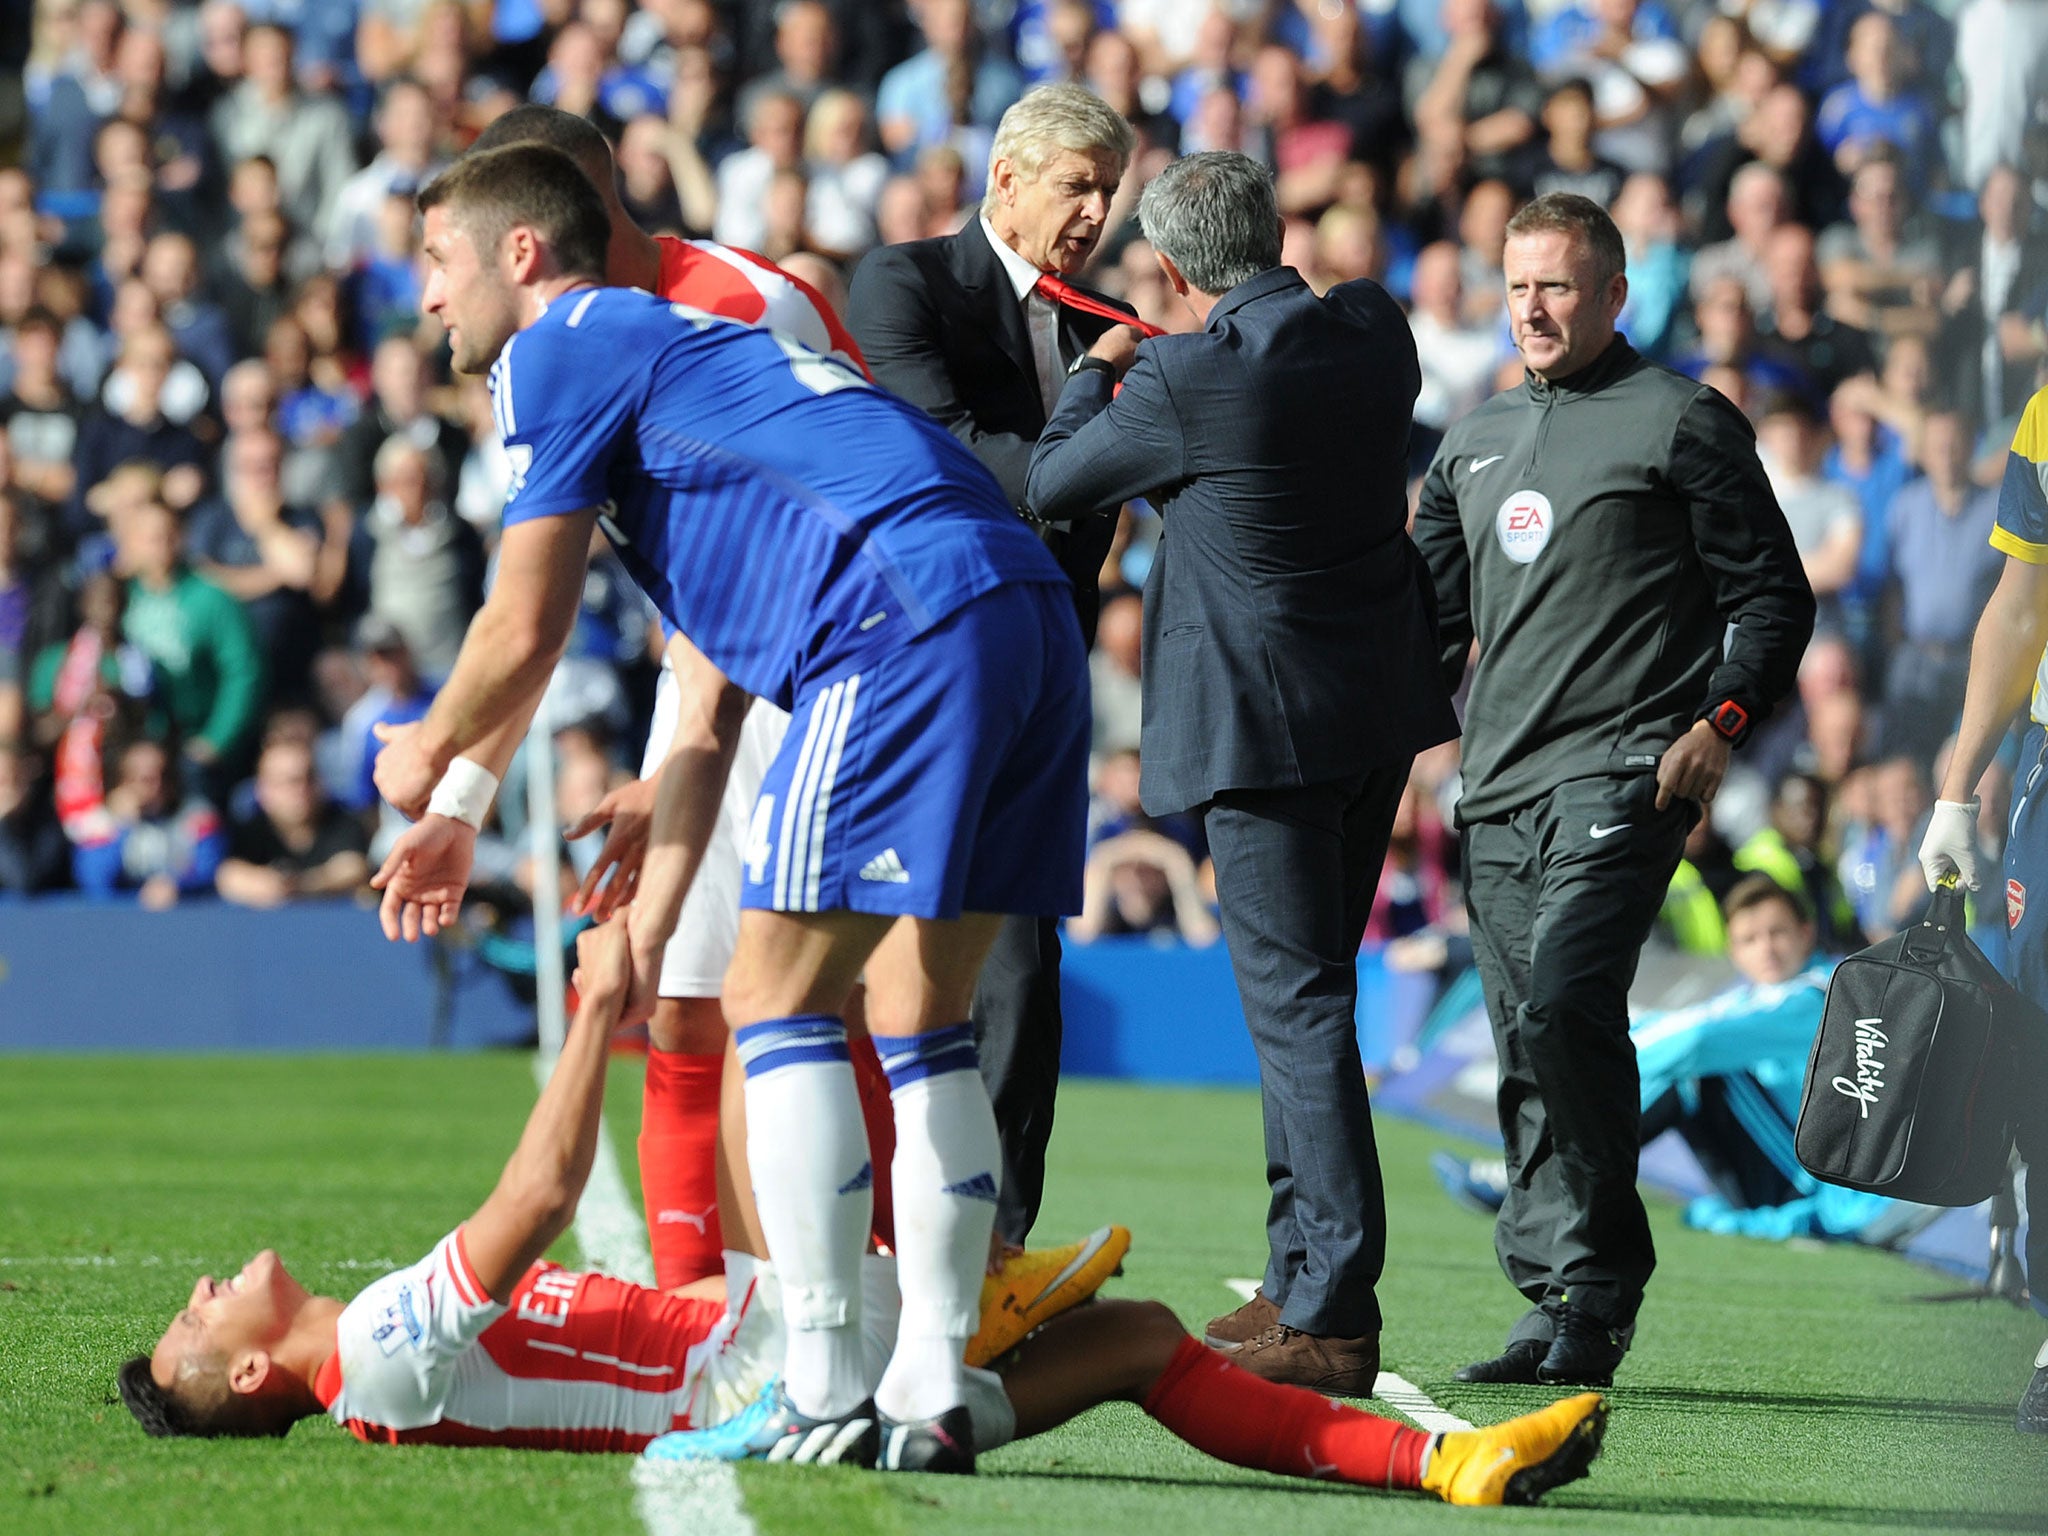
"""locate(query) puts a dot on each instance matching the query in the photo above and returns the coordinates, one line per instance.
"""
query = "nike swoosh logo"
(1074, 1267)
(1478, 464)
(1507, 1454)
(1596, 831)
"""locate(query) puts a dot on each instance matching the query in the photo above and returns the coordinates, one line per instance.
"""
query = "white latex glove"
(1950, 846)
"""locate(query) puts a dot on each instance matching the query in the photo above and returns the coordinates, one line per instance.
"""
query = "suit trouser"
(1296, 870)
(1016, 1015)
(1562, 892)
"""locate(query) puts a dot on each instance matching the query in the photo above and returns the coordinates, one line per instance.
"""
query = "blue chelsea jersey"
(780, 511)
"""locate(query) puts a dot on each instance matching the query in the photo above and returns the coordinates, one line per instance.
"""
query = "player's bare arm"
(2003, 657)
(628, 812)
(708, 720)
(511, 648)
(536, 1196)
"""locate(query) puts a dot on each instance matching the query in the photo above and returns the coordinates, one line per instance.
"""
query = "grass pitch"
(1773, 1389)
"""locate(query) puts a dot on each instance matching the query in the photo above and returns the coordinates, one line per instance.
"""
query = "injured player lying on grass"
(482, 1344)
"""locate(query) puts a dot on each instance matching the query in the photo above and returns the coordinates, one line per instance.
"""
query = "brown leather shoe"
(1233, 1329)
(1320, 1362)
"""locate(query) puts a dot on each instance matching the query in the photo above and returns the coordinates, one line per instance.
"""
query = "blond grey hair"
(1050, 119)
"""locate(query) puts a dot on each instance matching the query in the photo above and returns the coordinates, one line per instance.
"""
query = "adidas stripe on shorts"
(948, 775)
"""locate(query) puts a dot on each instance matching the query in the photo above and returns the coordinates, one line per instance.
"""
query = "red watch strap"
(1729, 719)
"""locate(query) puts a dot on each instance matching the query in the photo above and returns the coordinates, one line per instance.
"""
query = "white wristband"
(464, 793)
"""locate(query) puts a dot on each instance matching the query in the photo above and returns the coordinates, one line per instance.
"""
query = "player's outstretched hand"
(1692, 767)
(424, 877)
(629, 811)
(1950, 846)
(402, 774)
(604, 965)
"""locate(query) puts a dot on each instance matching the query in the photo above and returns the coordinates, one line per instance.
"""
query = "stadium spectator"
(1307, 151)
(1794, 329)
(1478, 97)
(250, 278)
(394, 695)
(775, 139)
(423, 565)
(137, 430)
(1778, 134)
(81, 95)
(1999, 268)
(1945, 566)
(1877, 869)
(406, 159)
(1658, 266)
(1115, 671)
(306, 137)
(149, 838)
(2002, 61)
(1757, 209)
(1458, 358)
(952, 92)
(1882, 273)
(209, 672)
(279, 561)
(294, 844)
(1875, 105)
(1825, 518)
(33, 854)
(806, 57)
(170, 270)
(1565, 160)
(39, 413)
(1115, 74)
(400, 405)
(845, 175)
(1727, 339)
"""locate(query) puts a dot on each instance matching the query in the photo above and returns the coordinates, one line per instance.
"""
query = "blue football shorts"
(946, 775)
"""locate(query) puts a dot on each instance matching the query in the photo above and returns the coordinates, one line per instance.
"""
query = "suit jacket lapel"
(991, 299)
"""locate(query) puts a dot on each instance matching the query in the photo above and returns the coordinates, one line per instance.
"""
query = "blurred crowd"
(246, 511)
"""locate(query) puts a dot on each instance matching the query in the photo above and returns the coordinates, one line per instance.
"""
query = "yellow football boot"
(1041, 1284)
(1519, 1461)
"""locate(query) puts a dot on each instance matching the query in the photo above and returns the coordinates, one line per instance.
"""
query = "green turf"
(1774, 1389)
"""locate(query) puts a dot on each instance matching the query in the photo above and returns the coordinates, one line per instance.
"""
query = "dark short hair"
(535, 123)
(1759, 890)
(532, 184)
(1567, 213)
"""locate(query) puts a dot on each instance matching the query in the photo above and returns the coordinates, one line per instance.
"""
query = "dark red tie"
(1057, 290)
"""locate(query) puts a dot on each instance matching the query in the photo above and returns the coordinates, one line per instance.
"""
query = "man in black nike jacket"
(1607, 535)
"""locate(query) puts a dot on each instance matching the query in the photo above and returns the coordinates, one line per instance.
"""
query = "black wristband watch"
(1087, 362)
(1730, 721)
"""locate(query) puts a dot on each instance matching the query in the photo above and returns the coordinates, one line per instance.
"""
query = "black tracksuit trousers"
(1562, 893)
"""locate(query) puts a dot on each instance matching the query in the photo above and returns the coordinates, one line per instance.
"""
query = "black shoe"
(1517, 1364)
(2033, 1418)
(944, 1444)
(1584, 1353)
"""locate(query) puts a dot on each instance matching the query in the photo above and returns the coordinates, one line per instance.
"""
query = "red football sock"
(1240, 1418)
(679, 1166)
(880, 1115)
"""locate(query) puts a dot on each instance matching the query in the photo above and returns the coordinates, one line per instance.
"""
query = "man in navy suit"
(1290, 679)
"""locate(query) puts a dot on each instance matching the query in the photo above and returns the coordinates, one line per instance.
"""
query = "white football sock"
(808, 1150)
(945, 1179)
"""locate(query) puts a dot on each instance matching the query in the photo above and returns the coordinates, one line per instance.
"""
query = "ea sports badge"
(1523, 525)
(2015, 904)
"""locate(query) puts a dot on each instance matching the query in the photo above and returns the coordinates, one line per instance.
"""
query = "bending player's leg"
(1136, 1351)
(678, 1138)
(805, 1141)
(948, 1157)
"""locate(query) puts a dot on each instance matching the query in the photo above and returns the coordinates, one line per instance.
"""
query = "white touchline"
(1395, 1391)
(671, 1498)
